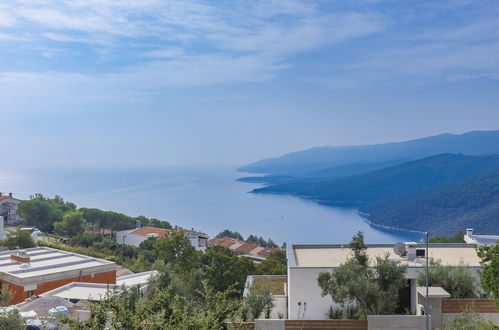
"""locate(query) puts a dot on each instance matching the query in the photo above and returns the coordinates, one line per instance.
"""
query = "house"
(253, 250)
(34, 271)
(305, 262)
(480, 240)
(77, 291)
(138, 235)
(8, 208)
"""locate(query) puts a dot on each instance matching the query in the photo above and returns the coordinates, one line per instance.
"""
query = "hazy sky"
(159, 82)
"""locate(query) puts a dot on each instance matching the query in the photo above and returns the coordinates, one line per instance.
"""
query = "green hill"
(471, 202)
(388, 182)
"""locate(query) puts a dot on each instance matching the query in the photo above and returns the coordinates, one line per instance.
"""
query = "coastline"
(364, 215)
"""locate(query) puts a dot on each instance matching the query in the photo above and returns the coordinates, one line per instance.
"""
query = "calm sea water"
(207, 199)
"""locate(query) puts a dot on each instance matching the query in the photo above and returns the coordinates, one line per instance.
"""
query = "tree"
(6, 296)
(42, 212)
(231, 234)
(458, 237)
(489, 260)
(258, 301)
(224, 270)
(12, 321)
(72, 224)
(177, 250)
(457, 280)
(274, 264)
(19, 239)
(373, 289)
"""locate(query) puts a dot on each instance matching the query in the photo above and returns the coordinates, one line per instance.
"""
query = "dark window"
(420, 253)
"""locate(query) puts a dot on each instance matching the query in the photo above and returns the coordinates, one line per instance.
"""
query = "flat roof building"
(480, 240)
(305, 262)
(37, 270)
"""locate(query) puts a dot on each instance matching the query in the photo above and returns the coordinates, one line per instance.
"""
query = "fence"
(462, 305)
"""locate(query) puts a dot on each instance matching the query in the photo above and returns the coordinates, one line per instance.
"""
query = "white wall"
(2, 230)
(122, 237)
(303, 289)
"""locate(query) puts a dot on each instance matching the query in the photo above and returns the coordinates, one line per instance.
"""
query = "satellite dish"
(399, 249)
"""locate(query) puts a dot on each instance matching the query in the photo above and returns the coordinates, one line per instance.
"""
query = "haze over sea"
(206, 198)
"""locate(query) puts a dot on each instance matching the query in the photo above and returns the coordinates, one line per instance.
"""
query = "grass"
(274, 284)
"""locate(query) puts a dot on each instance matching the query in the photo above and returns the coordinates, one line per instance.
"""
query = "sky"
(129, 83)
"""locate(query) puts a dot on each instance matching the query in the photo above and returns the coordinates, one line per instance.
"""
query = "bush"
(458, 281)
(471, 321)
(334, 313)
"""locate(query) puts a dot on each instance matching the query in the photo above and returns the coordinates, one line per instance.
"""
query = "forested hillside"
(388, 182)
(472, 202)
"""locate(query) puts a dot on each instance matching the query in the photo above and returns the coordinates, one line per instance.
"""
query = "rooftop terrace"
(335, 255)
(47, 261)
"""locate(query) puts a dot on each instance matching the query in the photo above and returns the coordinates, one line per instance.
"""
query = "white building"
(480, 240)
(305, 262)
(8, 208)
(138, 235)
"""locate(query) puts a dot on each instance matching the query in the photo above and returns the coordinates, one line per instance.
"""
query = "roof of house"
(483, 239)
(144, 231)
(274, 283)
(47, 264)
(247, 247)
(224, 241)
(97, 291)
(433, 292)
(8, 197)
(267, 251)
(238, 245)
(334, 255)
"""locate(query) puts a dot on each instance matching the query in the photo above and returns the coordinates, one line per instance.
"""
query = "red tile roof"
(247, 247)
(224, 241)
(267, 251)
(144, 231)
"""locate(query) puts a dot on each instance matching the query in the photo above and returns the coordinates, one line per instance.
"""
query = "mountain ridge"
(320, 158)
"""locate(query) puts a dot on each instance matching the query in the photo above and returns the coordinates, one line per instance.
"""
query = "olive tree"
(371, 285)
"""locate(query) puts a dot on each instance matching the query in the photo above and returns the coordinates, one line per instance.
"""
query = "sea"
(208, 199)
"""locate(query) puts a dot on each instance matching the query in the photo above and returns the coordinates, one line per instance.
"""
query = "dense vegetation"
(459, 281)
(439, 194)
(49, 214)
(472, 202)
(349, 160)
(458, 237)
(381, 184)
(489, 260)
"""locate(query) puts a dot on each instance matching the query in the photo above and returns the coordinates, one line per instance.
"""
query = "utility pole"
(426, 308)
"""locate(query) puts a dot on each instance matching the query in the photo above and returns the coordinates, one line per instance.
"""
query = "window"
(420, 253)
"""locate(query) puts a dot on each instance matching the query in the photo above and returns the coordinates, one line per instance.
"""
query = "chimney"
(22, 256)
(411, 251)
(469, 231)
(138, 224)
(10, 195)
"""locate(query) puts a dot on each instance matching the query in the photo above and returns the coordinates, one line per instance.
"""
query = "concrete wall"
(2, 229)
(20, 293)
(406, 322)
(304, 295)
(129, 239)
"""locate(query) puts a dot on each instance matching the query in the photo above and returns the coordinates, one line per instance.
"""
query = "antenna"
(399, 249)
